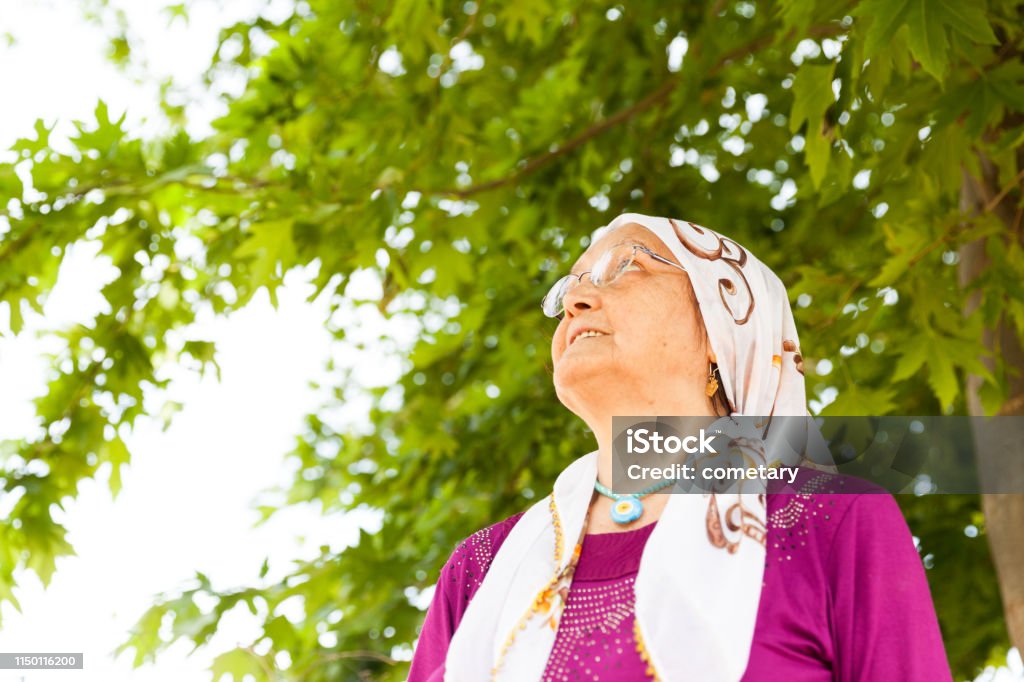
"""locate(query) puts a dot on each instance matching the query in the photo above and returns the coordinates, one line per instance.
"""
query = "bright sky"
(187, 500)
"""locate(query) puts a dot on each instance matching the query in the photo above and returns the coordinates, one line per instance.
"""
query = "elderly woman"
(665, 317)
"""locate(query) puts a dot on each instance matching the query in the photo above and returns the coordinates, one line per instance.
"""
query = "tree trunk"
(1000, 452)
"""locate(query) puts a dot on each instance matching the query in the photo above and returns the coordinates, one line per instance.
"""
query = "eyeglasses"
(606, 271)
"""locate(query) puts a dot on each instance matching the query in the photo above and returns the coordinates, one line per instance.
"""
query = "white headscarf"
(699, 582)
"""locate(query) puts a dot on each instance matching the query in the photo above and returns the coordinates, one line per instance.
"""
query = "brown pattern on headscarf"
(791, 347)
(737, 518)
(728, 252)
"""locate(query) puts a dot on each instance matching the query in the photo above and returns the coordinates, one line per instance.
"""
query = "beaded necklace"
(550, 601)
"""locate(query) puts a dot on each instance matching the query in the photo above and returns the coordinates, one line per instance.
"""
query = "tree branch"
(857, 283)
(341, 655)
(655, 98)
(537, 162)
(994, 201)
(262, 662)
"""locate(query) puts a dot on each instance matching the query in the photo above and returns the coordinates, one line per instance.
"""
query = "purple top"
(845, 598)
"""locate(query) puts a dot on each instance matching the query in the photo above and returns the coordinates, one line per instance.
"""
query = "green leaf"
(527, 18)
(967, 19)
(272, 249)
(7, 594)
(45, 541)
(944, 155)
(927, 37)
(118, 456)
(812, 96)
(236, 664)
(1007, 82)
(282, 632)
(30, 147)
(912, 358)
(854, 400)
(895, 267)
(16, 319)
(205, 352)
(886, 16)
(176, 11)
(941, 355)
(794, 14)
(943, 380)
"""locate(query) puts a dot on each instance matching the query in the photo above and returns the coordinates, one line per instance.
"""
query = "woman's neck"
(602, 429)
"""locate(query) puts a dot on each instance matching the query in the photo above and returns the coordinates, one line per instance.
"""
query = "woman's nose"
(582, 295)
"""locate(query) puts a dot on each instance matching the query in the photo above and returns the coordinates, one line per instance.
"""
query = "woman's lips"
(586, 334)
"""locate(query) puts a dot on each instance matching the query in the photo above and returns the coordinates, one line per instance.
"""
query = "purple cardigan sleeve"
(460, 578)
(884, 624)
(436, 633)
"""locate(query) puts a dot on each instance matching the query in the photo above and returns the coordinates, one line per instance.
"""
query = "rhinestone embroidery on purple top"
(476, 553)
(595, 616)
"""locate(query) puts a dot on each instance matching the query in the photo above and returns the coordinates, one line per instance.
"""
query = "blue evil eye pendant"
(626, 510)
(629, 508)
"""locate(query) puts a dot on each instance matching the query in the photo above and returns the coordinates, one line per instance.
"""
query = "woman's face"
(650, 349)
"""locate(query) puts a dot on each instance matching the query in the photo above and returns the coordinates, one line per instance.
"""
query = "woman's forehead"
(632, 233)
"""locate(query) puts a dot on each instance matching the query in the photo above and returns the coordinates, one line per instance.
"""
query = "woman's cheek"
(558, 342)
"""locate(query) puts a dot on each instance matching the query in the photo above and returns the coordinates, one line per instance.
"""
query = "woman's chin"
(582, 372)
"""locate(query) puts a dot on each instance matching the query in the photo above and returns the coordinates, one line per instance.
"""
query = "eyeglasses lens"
(612, 264)
(553, 300)
(608, 268)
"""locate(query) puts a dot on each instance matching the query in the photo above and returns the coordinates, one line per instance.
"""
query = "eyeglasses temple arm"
(662, 259)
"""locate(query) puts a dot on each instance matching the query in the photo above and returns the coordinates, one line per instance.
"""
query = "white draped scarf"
(699, 583)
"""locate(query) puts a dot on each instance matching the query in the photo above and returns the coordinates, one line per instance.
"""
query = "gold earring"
(712, 385)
